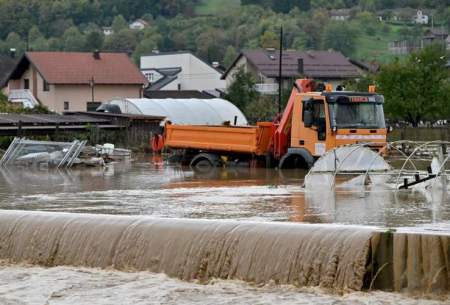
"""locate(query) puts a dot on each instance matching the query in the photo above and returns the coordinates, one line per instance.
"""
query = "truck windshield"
(357, 115)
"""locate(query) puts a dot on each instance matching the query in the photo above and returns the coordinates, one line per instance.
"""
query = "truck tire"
(296, 158)
(204, 162)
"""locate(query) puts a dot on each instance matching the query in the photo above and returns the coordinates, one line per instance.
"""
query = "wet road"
(160, 190)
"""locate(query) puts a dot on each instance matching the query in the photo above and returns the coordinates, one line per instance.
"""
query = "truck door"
(313, 133)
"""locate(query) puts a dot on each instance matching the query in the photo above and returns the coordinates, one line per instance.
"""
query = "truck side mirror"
(308, 118)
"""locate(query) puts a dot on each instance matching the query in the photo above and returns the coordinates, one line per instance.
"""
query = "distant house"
(340, 14)
(326, 66)
(434, 35)
(138, 24)
(107, 30)
(180, 71)
(420, 18)
(447, 42)
(74, 81)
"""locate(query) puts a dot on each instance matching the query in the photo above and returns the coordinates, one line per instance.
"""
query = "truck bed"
(239, 139)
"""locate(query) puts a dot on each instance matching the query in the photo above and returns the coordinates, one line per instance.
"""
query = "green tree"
(416, 88)
(269, 40)
(14, 41)
(340, 36)
(73, 40)
(242, 91)
(119, 23)
(123, 41)
(94, 40)
(230, 56)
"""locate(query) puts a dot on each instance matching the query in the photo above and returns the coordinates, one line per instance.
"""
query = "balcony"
(270, 89)
(23, 96)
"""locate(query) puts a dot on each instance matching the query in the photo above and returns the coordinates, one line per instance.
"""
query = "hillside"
(215, 30)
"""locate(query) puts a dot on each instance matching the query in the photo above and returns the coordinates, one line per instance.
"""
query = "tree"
(340, 36)
(242, 91)
(94, 40)
(269, 40)
(119, 23)
(416, 88)
(123, 41)
(230, 56)
(73, 40)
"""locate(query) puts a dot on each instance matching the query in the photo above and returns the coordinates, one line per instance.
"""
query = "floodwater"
(159, 190)
(27, 285)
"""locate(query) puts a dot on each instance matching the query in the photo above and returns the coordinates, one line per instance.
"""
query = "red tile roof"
(80, 68)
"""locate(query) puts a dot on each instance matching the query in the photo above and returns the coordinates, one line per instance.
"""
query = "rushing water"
(146, 188)
(162, 191)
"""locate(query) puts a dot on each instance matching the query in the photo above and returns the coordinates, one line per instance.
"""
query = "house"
(74, 81)
(180, 71)
(107, 30)
(325, 66)
(138, 25)
(434, 35)
(340, 14)
(420, 18)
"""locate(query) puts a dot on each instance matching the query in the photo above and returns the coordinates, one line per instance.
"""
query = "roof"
(176, 94)
(81, 67)
(184, 111)
(7, 64)
(184, 52)
(316, 64)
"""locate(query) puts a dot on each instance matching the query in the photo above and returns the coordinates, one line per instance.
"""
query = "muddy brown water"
(146, 188)
(190, 248)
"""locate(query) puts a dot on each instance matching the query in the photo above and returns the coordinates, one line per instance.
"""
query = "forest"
(76, 25)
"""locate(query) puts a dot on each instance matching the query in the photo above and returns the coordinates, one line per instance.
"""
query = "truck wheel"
(204, 162)
(296, 159)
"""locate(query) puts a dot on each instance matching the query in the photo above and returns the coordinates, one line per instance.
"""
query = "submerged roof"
(81, 68)
(184, 111)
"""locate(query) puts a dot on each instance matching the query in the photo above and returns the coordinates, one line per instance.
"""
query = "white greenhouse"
(214, 111)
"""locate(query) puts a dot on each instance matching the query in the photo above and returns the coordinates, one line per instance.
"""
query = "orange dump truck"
(312, 123)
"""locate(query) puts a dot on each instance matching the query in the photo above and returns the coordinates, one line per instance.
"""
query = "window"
(66, 105)
(150, 76)
(45, 86)
(26, 83)
(92, 106)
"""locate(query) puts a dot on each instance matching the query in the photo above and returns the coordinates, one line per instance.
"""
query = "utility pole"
(280, 70)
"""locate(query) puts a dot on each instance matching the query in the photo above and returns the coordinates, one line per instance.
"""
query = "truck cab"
(324, 120)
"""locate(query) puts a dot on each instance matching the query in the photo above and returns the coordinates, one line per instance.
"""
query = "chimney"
(12, 52)
(96, 54)
(300, 67)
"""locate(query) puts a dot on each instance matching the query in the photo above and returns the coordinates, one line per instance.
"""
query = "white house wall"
(194, 75)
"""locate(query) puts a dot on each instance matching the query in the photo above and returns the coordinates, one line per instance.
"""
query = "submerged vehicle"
(313, 123)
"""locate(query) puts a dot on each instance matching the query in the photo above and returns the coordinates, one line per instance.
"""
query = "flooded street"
(143, 188)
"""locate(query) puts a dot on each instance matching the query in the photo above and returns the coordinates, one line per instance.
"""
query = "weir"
(338, 257)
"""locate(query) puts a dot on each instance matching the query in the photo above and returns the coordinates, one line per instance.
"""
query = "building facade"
(73, 81)
(180, 71)
(323, 66)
